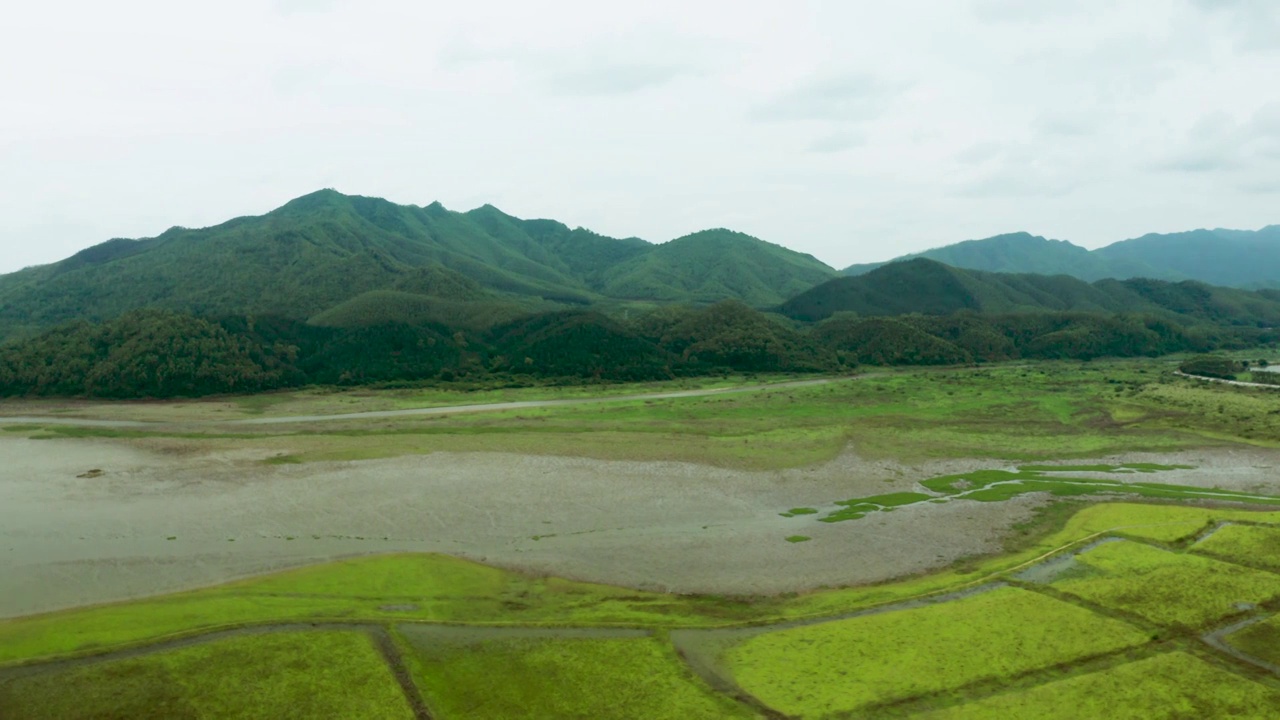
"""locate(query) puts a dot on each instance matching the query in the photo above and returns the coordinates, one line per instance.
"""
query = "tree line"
(160, 354)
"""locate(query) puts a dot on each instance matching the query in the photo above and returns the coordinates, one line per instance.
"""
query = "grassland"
(847, 665)
(1027, 414)
(1261, 640)
(496, 678)
(284, 675)
(1170, 685)
(1253, 545)
(1169, 589)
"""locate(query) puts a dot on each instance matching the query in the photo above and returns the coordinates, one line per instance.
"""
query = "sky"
(852, 130)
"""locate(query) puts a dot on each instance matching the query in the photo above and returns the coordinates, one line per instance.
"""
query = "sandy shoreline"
(157, 522)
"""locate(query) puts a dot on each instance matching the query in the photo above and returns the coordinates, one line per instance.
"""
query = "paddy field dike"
(1050, 540)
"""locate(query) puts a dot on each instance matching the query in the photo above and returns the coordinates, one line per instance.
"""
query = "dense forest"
(317, 255)
(158, 353)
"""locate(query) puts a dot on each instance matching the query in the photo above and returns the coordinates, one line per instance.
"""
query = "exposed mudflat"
(154, 521)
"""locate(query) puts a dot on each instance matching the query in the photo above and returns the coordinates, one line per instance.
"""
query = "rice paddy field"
(1133, 572)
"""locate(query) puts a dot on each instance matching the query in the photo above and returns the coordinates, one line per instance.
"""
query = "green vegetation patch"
(279, 675)
(1254, 545)
(860, 507)
(531, 676)
(798, 538)
(1104, 468)
(1173, 685)
(847, 665)
(1002, 485)
(1261, 640)
(1166, 588)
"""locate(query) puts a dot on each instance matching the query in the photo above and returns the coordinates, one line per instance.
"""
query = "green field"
(1253, 545)
(1003, 648)
(847, 665)
(1261, 640)
(1169, 589)
(280, 675)
(1168, 686)
(491, 677)
(1053, 411)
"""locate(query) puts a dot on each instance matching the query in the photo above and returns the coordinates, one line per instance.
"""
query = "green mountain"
(931, 288)
(348, 261)
(1234, 258)
(714, 265)
(1238, 258)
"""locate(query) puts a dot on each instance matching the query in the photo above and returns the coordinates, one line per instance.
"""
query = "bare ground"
(155, 521)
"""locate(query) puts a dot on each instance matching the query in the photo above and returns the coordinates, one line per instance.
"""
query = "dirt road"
(411, 412)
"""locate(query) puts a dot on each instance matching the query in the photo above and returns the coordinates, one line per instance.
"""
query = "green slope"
(1234, 258)
(714, 265)
(931, 288)
(318, 254)
(1237, 258)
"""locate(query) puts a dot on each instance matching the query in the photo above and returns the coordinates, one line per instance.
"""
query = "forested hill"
(932, 288)
(320, 253)
(1234, 258)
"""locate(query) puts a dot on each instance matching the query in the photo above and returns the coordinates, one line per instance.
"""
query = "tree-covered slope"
(309, 255)
(1233, 258)
(931, 288)
(714, 265)
(317, 254)
(1237, 258)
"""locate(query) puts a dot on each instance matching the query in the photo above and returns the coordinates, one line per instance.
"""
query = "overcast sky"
(851, 130)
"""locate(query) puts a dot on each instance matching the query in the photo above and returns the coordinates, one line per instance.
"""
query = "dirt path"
(412, 412)
(1224, 381)
(1217, 640)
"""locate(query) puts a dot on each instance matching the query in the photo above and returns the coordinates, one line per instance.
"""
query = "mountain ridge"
(1233, 258)
(927, 287)
(325, 248)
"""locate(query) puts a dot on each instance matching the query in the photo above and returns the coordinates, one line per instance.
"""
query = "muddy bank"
(151, 522)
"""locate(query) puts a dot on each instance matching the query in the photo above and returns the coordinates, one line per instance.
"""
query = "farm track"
(412, 412)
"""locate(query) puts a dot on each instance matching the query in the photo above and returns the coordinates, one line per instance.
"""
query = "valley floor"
(763, 552)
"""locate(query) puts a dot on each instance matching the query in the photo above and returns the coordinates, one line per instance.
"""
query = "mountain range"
(341, 261)
(335, 257)
(1235, 258)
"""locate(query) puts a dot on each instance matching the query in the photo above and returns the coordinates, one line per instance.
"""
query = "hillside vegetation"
(929, 287)
(348, 290)
(156, 353)
(318, 252)
(1235, 258)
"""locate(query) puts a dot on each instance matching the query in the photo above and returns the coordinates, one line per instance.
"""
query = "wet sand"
(156, 522)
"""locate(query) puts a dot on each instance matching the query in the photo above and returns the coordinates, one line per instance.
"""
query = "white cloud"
(852, 131)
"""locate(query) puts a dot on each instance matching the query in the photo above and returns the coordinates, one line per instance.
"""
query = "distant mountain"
(350, 260)
(931, 288)
(1234, 258)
